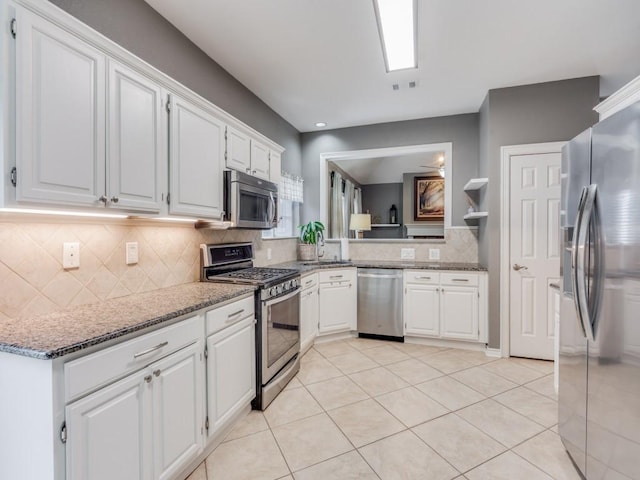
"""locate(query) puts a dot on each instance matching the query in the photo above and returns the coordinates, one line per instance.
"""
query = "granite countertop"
(75, 328)
(306, 267)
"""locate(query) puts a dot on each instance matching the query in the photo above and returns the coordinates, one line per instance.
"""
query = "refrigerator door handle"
(581, 254)
(574, 258)
(598, 267)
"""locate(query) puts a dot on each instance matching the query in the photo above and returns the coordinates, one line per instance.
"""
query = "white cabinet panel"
(197, 151)
(109, 433)
(275, 167)
(460, 312)
(238, 155)
(309, 313)
(231, 374)
(136, 141)
(177, 410)
(338, 299)
(259, 160)
(60, 103)
(422, 309)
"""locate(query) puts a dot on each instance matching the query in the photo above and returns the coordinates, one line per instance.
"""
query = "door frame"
(506, 152)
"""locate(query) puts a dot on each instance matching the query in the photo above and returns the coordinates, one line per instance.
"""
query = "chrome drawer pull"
(423, 278)
(150, 350)
(459, 279)
(231, 316)
(336, 276)
(308, 282)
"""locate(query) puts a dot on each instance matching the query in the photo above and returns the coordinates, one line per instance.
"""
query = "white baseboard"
(493, 352)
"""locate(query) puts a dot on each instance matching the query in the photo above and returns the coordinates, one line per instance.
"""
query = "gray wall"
(461, 130)
(134, 25)
(546, 112)
(378, 198)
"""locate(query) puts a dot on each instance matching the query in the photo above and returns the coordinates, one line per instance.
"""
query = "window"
(290, 194)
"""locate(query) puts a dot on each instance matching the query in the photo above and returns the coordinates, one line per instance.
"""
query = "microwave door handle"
(582, 254)
(272, 208)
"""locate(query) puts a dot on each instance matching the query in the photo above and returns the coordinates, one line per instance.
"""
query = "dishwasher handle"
(375, 275)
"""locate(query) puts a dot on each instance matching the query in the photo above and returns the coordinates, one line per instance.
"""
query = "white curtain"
(348, 207)
(336, 206)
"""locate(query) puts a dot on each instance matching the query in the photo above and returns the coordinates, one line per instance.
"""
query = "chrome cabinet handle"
(150, 350)
(254, 172)
(103, 199)
(336, 276)
(308, 282)
(148, 378)
(248, 170)
(423, 278)
(232, 316)
(516, 267)
(157, 372)
(115, 199)
(466, 279)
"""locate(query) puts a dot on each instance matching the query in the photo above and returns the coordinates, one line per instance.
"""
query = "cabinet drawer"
(421, 276)
(309, 281)
(101, 368)
(459, 279)
(227, 315)
(337, 275)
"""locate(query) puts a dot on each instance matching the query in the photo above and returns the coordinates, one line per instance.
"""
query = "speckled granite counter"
(72, 329)
(305, 267)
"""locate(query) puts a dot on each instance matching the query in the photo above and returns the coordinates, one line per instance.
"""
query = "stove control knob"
(273, 291)
(279, 288)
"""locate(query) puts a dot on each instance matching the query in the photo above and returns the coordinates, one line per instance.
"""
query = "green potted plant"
(311, 234)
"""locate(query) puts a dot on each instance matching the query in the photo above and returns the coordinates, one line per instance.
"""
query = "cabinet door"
(309, 315)
(259, 160)
(197, 150)
(60, 107)
(109, 433)
(136, 141)
(459, 312)
(238, 155)
(275, 167)
(178, 402)
(422, 310)
(231, 372)
(338, 307)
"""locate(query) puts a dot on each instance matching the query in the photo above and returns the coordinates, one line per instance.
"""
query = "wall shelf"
(475, 215)
(475, 184)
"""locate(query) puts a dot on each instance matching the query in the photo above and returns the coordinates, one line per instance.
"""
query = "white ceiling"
(321, 60)
(367, 171)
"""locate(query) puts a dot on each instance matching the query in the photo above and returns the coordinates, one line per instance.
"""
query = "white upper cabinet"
(60, 103)
(275, 166)
(259, 160)
(196, 159)
(238, 154)
(136, 146)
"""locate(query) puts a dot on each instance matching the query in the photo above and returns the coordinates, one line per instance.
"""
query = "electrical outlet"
(268, 254)
(131, 253)
(434, 254)
(408, 254)
(70, 255)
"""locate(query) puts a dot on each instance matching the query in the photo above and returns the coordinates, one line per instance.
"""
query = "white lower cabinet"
(231, 367)
(338, 294)
(309, 311)
(145, 426)
(449, 305)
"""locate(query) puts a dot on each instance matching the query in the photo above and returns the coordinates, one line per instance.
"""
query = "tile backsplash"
(34, 282)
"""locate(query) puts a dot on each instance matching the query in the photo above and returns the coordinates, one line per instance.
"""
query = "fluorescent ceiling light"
(397, 25)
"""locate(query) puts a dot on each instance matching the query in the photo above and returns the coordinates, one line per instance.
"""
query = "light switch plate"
(434, 254)
(70, 255)
(132, 253)
(408, 254)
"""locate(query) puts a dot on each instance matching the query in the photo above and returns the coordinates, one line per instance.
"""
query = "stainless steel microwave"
(250, 202)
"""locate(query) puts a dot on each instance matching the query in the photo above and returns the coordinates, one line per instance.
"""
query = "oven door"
(280, 332)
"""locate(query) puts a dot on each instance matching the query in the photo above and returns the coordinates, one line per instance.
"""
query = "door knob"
(517, 267)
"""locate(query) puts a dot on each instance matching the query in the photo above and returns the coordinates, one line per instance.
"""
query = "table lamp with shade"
(360, 222)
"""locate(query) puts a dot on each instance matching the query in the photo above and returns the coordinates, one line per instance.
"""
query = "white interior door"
(534, 252)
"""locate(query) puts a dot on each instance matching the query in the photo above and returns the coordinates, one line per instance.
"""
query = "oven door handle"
(271, 301)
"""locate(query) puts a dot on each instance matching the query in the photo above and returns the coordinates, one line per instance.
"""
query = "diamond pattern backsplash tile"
(34, 282)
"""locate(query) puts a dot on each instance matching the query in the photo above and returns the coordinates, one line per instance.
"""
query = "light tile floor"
(367, 409)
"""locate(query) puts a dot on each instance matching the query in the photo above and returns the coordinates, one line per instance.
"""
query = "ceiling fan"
(439, 168)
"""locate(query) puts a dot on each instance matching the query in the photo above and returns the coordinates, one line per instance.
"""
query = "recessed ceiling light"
(321, 124)
(397, 26)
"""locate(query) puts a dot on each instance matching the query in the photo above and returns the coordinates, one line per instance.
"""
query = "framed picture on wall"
(428, 198)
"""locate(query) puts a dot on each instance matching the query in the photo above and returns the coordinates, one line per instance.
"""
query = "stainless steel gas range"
(277, 313)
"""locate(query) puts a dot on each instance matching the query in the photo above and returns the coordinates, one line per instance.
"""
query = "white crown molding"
(622, 98)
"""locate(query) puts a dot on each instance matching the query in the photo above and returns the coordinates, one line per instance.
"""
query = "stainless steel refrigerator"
(599, 387)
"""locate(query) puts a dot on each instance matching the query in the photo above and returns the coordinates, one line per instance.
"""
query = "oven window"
(283, 322)
(253, 207)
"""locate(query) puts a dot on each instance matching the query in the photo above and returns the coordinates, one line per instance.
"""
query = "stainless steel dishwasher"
(380, 303)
